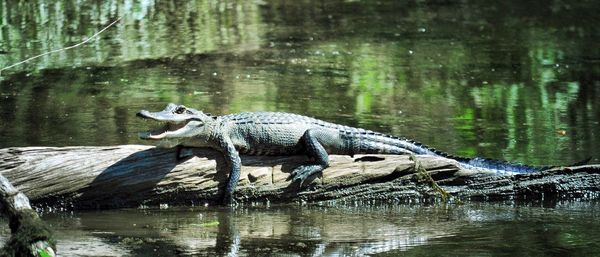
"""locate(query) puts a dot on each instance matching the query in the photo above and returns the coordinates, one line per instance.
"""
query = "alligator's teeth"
(144, 135)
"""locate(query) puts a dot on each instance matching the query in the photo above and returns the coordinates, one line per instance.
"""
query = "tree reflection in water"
(368, 229)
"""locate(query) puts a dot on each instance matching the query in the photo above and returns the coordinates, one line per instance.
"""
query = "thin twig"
(421, 171)
(62, 49)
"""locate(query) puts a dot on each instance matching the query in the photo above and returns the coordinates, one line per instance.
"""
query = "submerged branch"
(61, 49)
(134, 175)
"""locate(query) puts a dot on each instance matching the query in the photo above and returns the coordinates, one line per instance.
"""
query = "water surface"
(548, 229)
(509, 80)
(512, 80)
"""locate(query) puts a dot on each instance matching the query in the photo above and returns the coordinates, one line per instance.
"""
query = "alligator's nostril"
(142, 114)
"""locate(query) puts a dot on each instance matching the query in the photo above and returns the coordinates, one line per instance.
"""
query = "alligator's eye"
(180, 110)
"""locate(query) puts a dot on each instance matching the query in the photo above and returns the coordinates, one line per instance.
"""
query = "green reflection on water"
(463, 77)
(508, 80)
(539, 229)
(148, 30)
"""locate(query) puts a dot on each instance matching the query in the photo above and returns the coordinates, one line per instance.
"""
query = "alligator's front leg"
(232, 157)
(179, 153)
(313, 140)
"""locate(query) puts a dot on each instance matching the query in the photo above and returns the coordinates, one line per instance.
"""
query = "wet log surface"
(135, 175)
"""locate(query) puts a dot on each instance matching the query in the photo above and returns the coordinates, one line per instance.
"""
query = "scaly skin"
(277, 133)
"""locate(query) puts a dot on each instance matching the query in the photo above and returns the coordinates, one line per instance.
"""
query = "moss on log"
(29, 235)
(134, 175)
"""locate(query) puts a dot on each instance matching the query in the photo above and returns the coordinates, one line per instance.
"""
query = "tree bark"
(135, 175)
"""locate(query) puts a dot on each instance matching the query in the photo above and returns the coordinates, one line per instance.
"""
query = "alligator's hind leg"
(312, 141)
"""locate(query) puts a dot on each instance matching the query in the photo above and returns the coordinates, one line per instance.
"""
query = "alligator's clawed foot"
(183, 153)
(304, 173)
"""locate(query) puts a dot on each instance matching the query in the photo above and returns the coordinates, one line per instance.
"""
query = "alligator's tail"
(367, 141)
(500, 167)
(373, 142)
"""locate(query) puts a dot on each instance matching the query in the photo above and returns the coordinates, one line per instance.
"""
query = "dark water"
(561, 229)
(512, 80)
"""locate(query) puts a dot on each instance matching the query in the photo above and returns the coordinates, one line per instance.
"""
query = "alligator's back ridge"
(361, 141)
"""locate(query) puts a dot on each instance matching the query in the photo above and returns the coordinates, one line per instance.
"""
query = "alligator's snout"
(177, 121)
(172, 124)
(143, 114)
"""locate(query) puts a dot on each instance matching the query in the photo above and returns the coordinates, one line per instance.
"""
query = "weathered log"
(135, 175)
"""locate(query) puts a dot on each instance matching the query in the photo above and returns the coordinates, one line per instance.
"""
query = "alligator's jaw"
(178, 122)
(168, 129)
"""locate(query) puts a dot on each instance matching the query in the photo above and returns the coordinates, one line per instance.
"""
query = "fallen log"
(136, 175)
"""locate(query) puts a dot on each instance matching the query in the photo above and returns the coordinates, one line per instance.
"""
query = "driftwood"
(135, 175)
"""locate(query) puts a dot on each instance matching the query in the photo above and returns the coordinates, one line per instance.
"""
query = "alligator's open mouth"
(168, 127)
(162, 131)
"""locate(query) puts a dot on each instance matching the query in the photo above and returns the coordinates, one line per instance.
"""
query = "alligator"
(279, 133)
